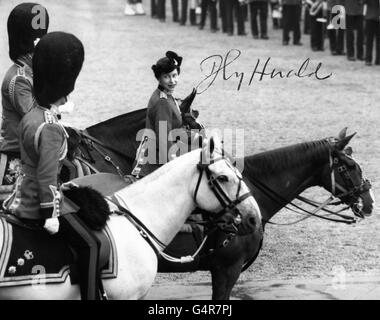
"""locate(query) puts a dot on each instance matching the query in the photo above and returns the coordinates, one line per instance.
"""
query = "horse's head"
(344, 177)
(220, 190)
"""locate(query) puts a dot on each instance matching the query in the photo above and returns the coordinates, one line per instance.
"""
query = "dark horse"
(274, 177)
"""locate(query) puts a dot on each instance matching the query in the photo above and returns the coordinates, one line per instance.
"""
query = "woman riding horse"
(164, 115)
(17, 86)
(57, 61)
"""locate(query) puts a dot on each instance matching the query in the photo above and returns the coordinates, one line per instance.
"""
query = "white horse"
(162, 201)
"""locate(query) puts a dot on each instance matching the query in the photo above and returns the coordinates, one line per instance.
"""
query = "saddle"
(183, 244)
(29, 252)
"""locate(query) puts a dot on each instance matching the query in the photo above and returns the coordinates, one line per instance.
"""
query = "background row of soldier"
(362, 21)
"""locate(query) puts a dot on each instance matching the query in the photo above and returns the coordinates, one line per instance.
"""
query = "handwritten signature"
(220, 63)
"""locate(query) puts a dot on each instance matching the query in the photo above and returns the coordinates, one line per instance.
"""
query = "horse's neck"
(163, 200)
(112, 136)
(288, 182)
(289, 185)
(120, 132)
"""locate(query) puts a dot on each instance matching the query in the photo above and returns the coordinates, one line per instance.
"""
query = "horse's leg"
(224, 278)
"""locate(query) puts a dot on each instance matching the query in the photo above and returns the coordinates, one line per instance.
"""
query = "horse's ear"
(185, 106)
(212, 145)
(342, 134)
(341, 144)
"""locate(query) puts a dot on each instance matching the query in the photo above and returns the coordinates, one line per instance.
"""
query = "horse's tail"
(94, 210)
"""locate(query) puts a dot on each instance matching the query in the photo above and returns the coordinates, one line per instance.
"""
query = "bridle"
(349, 193)
(229, 206)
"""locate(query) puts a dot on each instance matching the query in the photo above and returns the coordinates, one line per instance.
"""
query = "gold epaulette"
(49, 117)
(163, 95)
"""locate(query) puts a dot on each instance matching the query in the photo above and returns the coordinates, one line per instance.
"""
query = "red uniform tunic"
(43, 145)
(161, 107)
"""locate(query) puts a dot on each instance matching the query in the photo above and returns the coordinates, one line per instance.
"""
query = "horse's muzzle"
(249, 225)
(360, 210)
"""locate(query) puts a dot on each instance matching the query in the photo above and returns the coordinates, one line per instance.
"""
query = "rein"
(104, 155)
(350, 193)
(318, 206)
(157, 244)
(284, 202)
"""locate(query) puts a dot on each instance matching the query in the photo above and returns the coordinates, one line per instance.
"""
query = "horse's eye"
(350, 163)
(222, 178)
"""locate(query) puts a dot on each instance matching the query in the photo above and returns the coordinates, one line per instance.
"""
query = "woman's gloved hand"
(186, 103)
(51, 225)
(68, 185)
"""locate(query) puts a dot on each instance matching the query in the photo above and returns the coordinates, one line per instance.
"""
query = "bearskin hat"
(57, 61)
(26, 22)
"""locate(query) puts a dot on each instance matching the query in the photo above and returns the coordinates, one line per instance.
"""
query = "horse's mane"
(129, 120)
(120, 132)
(269, 162)
(164, 169)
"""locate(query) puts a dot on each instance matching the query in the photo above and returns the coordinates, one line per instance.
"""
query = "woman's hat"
(167, 64)
(57, 61)
(26, 22)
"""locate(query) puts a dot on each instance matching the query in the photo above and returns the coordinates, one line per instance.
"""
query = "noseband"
(349, 193)
(228, 205)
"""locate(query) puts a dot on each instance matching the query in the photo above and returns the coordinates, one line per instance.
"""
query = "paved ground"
(116, 78)
(356, 286)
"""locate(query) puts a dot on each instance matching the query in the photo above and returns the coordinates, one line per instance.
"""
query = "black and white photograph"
(190, 151)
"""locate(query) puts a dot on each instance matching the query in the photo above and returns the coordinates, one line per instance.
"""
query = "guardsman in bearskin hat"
(26, 24)
(57, 61)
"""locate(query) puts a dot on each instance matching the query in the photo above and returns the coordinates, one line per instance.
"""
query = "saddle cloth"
(30, 257)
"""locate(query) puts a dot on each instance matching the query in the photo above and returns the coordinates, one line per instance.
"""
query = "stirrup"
(102, 292)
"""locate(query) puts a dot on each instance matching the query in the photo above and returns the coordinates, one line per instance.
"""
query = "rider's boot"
(87, 247)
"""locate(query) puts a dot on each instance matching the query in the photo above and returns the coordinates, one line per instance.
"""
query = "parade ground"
(317, 96)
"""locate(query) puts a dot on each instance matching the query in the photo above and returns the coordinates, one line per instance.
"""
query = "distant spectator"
(209, 6)
(161, 10)
(223, 15)
(175, 10)
(184, 6)
(291, 18)
(372, 30)
(336, 36)
(234, 7)
(306, 19)
(153, 8)
(276, 13)
(259, 7)
(354, 21)
(316, 26)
